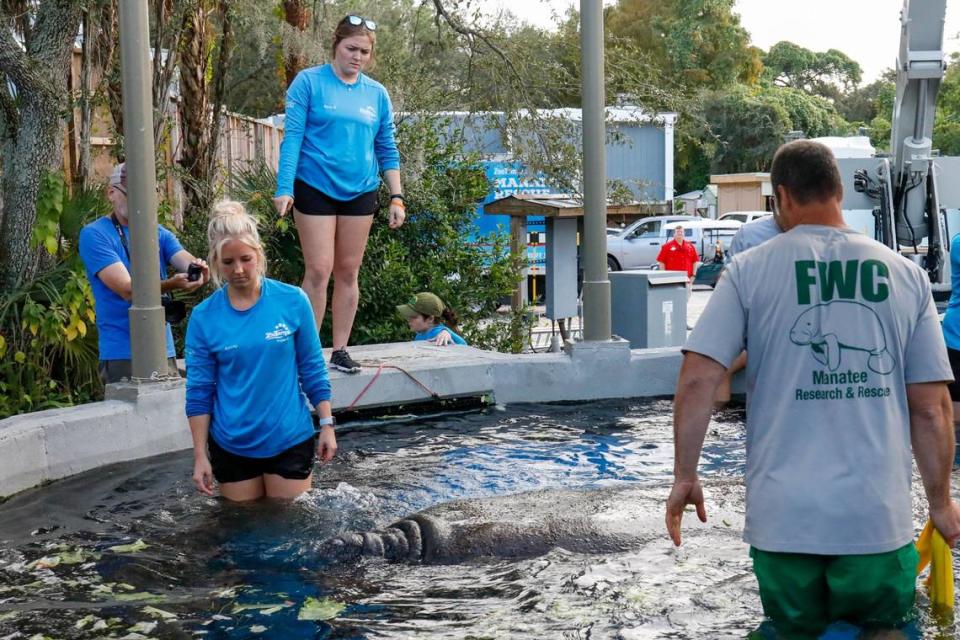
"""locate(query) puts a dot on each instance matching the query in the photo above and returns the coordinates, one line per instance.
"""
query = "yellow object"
(934, 551)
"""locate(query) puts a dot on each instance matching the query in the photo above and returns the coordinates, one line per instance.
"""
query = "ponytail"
(450, 319)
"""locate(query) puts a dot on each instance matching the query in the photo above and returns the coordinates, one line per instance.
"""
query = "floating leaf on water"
(77, 556)
(273, 610)
(218, 616)
(272, 607)
(229, 592)
(99, 625)
(143, 627)
(125, 587)
(139, 597)
(47, 562)
(257, 628)
(323, 609)
(133, 547)
(83, 622)
(153, 612)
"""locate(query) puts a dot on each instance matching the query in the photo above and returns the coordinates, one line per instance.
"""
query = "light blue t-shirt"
(430, 334)
(753, 234)
(951, 320)
(100, 247)
(835, 325)
(246, 369)
(337, 137)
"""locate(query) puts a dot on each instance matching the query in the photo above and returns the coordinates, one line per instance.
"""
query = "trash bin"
(649, 307)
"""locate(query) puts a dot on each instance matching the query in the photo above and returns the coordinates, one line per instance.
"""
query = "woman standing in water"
(253, 352)
(338, 138)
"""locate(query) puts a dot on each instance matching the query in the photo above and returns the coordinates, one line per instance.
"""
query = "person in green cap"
(431, 320)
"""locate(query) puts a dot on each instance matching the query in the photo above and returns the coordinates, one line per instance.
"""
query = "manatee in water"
(606, 520)
(854, 326)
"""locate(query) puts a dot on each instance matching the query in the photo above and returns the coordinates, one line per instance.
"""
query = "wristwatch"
(323, 422)
(397, 196)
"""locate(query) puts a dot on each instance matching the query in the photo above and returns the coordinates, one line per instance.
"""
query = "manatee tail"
(881, 363)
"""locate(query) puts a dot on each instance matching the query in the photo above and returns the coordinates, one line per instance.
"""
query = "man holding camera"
(105, 250)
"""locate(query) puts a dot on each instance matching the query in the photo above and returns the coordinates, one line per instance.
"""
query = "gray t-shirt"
(836, 325)
(753, 234)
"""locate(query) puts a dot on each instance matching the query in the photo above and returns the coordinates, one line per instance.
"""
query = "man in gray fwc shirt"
(847, 370)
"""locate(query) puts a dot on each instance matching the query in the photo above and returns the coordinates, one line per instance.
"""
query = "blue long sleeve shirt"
(246, 369)
(432, 333)
(951, 320)
(337, 137)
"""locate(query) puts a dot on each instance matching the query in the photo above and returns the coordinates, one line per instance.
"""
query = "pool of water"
(71, 565)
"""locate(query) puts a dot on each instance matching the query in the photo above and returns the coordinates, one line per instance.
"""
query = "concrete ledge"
(138, 421)
(449, 372)
(48, 445)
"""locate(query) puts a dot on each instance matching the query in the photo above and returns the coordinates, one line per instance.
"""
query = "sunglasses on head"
(357, 21)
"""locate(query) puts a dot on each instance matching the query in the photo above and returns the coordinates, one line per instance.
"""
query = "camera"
(174, 311)
(194, 271)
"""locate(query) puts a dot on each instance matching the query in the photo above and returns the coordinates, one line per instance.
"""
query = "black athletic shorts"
(313, 202)
(955, 365)
(295, 463)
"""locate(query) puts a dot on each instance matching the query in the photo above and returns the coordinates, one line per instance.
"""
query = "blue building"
(639, 157)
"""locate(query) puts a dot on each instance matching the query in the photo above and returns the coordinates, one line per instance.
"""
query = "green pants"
(803, 593)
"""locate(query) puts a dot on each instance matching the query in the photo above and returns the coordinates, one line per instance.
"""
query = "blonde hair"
(229, 220)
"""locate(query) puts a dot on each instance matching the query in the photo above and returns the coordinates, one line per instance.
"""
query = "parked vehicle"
(637, 246)
(743, 216)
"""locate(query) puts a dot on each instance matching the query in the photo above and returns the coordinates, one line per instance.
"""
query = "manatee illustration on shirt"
(828, 342)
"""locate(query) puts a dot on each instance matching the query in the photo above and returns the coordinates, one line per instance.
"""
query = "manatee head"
(805, 328)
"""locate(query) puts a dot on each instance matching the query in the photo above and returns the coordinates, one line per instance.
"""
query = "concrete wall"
(134, 423)
(140, 421)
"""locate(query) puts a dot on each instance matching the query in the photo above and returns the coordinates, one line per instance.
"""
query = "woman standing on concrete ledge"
(338, 138)
(252, 354)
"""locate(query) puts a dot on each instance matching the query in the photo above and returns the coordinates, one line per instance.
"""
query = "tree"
(745, 127)
(829, 74)
(863, 103)
(31, 120)
(296, 15)
(701, 40)
(202, 82)
(946, 128)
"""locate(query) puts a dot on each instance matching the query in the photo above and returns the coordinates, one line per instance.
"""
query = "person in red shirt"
(678, 254)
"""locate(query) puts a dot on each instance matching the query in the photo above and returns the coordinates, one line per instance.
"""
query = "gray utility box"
(561, 268)
(649, 308)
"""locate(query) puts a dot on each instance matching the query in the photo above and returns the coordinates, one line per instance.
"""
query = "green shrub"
(48, 337)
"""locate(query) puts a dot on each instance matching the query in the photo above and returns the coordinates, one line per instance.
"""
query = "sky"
(866, 30)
